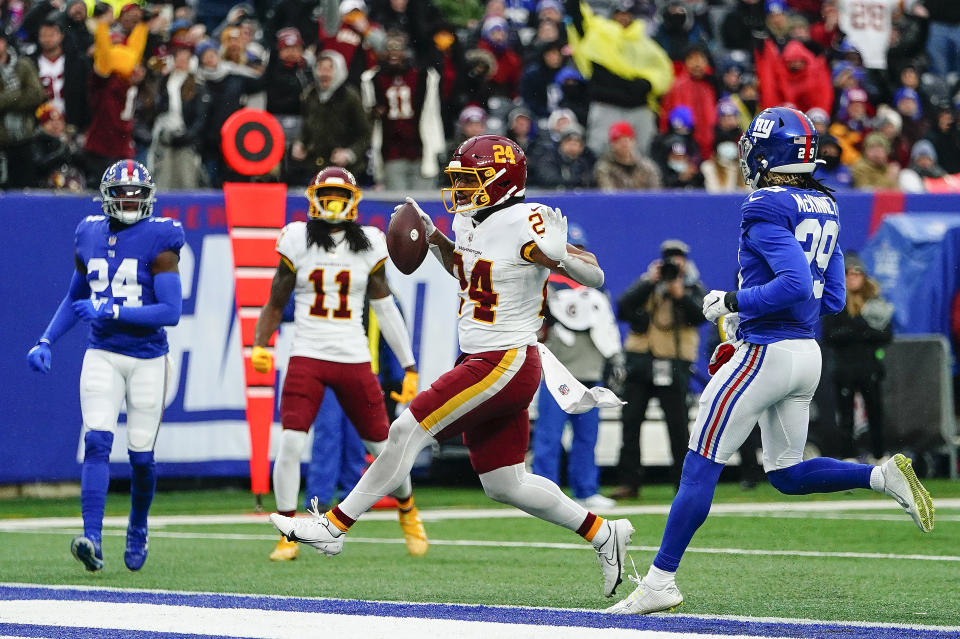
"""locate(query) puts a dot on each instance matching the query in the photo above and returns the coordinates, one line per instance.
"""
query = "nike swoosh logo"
(754, 199)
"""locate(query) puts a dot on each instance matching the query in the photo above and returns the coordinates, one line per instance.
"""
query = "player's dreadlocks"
(318, 233)
(799, 180)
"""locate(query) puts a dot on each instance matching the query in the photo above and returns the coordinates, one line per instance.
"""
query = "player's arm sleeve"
(64, 318)
(792, 282)
(166, 310)
(393, 329)
(834, 285)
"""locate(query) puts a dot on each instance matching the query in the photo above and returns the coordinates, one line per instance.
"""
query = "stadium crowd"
(609, 94)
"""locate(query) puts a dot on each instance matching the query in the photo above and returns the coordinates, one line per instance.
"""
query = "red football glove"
(721, 355)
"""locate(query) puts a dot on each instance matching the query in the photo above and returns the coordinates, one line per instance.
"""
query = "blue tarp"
(40, 415)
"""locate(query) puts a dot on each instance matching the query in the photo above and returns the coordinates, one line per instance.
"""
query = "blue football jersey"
(791, 268)
(118, 267)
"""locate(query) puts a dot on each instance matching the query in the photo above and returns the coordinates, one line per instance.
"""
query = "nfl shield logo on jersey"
(564, 389)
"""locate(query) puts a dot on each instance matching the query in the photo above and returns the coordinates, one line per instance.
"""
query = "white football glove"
(714, 305)
(553, 241)
(427, 222)
(729, 324)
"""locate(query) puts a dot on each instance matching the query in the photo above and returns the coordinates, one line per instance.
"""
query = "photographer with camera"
(663, 310)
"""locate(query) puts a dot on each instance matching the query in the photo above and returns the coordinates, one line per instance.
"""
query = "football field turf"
(851, 557)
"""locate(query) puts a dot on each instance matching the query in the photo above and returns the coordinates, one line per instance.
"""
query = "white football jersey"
(867, 25)
(501, 290)
(329, 294)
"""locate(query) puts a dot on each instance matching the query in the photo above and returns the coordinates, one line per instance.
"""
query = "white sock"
(659, 579)
(286, 469)
(390, 471)
(877, 481)
(533, 494)
(405, 489)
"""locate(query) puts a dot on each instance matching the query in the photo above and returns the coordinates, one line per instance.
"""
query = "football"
(407, 239)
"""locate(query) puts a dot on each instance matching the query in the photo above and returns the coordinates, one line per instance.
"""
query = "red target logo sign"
(252, 141)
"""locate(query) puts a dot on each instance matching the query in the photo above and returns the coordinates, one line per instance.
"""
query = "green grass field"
(220, 557)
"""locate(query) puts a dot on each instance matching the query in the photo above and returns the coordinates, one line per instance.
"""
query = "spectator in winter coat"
(549, 137)
(923, 164)
(832, 173)
(820, 118)
(287, 75)
(945, 137)
(521, 128)
(116, 74)
(56, 160)
(679, 125)
(495, 38)
(538, 77)
(574, 92)
(570, 166)
(183, 105)
(795, 76)
(621, 167)
(63, 72)
(680, 168)
(694, 87)
(329, 99)
(679, 31)
(356, 39)
(856, 337)
(226, 83)
(874, 170)
(727, 128)
(853, 123)
(412, 17)
(826, 32)
(721, 173)
(943, 43)
(626, 70)
(741, 23)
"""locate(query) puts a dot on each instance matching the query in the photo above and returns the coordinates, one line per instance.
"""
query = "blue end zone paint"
(65, 632)
(491, 614)
(419, 306)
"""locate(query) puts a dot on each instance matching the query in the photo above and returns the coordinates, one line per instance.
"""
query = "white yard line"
(445, 514)
(482, 543)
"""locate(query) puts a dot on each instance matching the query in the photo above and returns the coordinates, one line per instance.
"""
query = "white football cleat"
(644, 600)
(316, 531)
(610, 543)
(901, 483)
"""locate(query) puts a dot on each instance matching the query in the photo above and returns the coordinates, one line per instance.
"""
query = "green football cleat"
(901, 483)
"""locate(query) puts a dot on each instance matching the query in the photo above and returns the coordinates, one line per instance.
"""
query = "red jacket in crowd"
(506, 81)
(796, 77)
(700, 96)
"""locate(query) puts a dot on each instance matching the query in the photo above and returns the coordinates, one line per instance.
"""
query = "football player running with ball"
(504, 248)
(330, 263)
(791, 273)
(127, 285)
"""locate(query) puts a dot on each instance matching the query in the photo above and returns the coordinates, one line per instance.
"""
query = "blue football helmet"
(127, 191)
(779, 140)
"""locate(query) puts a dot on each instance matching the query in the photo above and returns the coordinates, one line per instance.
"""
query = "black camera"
(669, 270)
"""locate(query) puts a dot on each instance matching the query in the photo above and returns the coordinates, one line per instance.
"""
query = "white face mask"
(678, 166)
(727, 152)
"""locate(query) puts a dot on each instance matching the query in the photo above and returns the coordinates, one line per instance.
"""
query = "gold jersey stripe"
(469, 393)
(526, 250)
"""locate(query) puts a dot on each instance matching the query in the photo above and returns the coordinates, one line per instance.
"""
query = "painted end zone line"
(687, 625)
